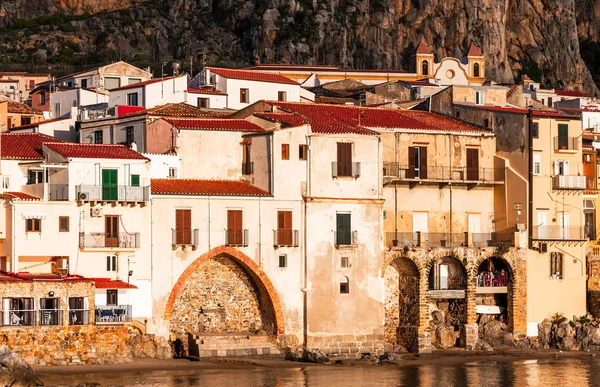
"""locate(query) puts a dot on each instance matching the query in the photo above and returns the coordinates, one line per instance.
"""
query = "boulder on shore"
(305, 355)
(14, 371)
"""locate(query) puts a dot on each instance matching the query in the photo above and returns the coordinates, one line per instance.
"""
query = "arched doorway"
(402, 303)
(493, 291)
(447, 282)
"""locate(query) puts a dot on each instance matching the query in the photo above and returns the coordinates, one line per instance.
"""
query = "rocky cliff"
(539, 37)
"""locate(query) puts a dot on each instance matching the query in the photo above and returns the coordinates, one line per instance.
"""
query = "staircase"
(203, 345)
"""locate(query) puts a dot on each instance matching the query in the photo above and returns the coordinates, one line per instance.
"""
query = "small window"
(112, 297)
(203, 102)
(282, 96)
(172, 172)
(486, 123)
(535, 130)
(42, 98)
(25, 120)
(302, 152)
(35, 176)
(244, 95)
(33, 225)
(283, 260)
(98, 137)
(285, 151)
(344, 262)
(344, 286)
(74, 104)
(57, 109)
(111, 263)
(479, 98)
(135, 180)
(84, 83)
(476, 70)
(132, 99)
(129, 135)
(63, 223)
(457, 114)
(5, 182)
(556, 265)
(549, 101)
(425, 67)
(537, 164)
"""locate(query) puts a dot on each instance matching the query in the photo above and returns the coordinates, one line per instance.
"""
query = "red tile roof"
(107, 283)
(205, 187)
(181, 109)
(224, 124)
(508, 109)
(37, 124)
(145, 83)
(571, 93)
(289, 119)
(23, 146)
(319, 69)
(19, 195)
(21, 108)
(423, 48)
(250, 75)
(26, 276)
(94, 151)
(204, 91)
(335, 119)
(473, 50)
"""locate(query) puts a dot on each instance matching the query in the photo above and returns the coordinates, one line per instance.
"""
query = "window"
(172, 172)
(343, 229)
(556, 265)
(535, 130)
(425, 67)
(235, 232)
(74, 103)
(203, 102)
(84, 83)
(472, 164)
(31, 84)
(42, 98)
(111, 83)
(302, 152)
(63, 223)
(35, 176)
(49, 311)
(244, 95)
(25, 120)
(550, 101)
(561, 167)
(486, 123)
(132, 81)
(417, 162)
(476, 70)
(344, 286)
(282, 96)
(132, 99)
(111, 263)
(344, 262)
(129, 135)
(78, 311)
(70, 84)
(57, 110)
(284, 233)
(98, 137)
(9, 122)
(563, 136)
(282, 260)
(537, 164)
(183, 227)
(5, 182)
(33, 225)
(246, 163)
(285, 151)
(479, 98)
(112, 297)
(135, 180)
(19, 310)
(344, 159)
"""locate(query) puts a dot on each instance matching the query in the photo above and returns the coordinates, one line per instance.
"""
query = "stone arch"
(402, 305)
(264, 286)
(487, 295)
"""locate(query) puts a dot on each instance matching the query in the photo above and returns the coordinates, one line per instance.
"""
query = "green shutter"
(109, 184)
(343, 229)
(563, 130)
(135, 180)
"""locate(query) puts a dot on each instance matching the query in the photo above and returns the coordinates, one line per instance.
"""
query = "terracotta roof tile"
(205, 187)
(26, 276)
(94, 151)
(204, 91)
(250, 75)
(288, 119)
(20, 108)
(224, 124)
(423, 48)
(19, 195)
(181, 109)
(509, 109)
(571, 93)
(107, 283)
(23, 146)
(145, 83)
(473, 50)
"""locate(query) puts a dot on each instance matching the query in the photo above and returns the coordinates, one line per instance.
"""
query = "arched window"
(344, 285)
(476, 70)
(425, 67)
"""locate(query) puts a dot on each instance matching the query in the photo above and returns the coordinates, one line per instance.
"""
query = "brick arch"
(432, 259)
(255, 272)
(511, 265)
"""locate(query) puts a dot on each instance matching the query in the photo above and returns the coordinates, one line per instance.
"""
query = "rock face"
(14, 371)
(533, 36)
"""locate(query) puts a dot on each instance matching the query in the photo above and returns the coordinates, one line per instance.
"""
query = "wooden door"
(472, 164)
(235, 232)
(111, 229)
(344, 159)
(110, 184)
(183, 227)
(284, 228)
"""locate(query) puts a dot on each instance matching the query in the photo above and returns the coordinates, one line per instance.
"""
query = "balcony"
(58, 192)
(236, 237)
(248, 168)
(566, 144)
(345, 238)
(24, 318)
(345, 169)
(393, 171)
(557, 233)
(441, 239)
(569, 182)
(285, 237)
(120, 193)
(97, 240)
(79, 317)
(113, 314)
(50, 316)
(184, 238)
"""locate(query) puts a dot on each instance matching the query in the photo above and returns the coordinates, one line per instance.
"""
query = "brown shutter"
(410, 172)
(423, 162)
(472, 164)
(234, 227)
(344, 159)
(285, 151)
(284, 228)
(183, 227)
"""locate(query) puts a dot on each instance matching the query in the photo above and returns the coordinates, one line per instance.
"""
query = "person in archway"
(502, 278)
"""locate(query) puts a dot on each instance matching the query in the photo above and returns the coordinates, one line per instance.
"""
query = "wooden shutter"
(234, 227)
(183, 227)
(344, 159)
(410, 172)
(423, 162)
(285, 151)
(472, 164)
(284, 228)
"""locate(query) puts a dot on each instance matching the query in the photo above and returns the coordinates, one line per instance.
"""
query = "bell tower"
(475, 63)
(424, 60)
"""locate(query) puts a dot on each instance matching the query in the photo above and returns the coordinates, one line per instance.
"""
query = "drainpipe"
(14, 267)
(305, 260)
(259, 233)
(530, 166)
(209, 221)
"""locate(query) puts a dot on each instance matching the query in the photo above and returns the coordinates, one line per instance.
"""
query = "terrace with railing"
(445, 239)
(113, 314)
(441, 174)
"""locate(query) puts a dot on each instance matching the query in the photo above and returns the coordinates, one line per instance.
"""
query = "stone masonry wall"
(593, 286)
(349, 346)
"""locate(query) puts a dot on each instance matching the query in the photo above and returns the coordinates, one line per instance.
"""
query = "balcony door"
(564, 226)
(111, 238)
(563, 136)
(284, 228)
(234, 227)
(417, 163)
(472, 164)
(183, 227)
(474, 223)
(542, 225)
(110, 184)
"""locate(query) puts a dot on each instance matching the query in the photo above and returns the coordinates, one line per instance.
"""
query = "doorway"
(111, 238)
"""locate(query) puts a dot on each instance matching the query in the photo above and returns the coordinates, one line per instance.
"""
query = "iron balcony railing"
(24, 317)
(117, 193)
(58, 192)
(184, 237)
(558, 233)
(444, 239)
(345, 238)
(236, 237)
(50, 316)
(248, 168)
(104, 239)
(113, 314)
(345, 169)
(442, 173)
(285, 237)
(79, 317)
(566, 143)
(568, 182)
